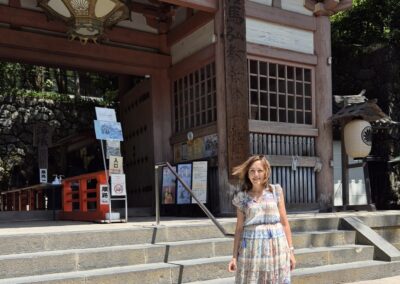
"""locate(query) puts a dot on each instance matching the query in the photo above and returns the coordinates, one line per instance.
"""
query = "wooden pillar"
(232, 95)
(161, 109)
(323, 107)
(221, 117)
(237, 98)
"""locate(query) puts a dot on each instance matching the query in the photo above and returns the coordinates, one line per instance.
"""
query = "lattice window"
(279, 92)
(195, 102)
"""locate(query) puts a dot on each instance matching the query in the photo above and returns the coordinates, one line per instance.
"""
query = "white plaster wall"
(357, 193)
(279, 36)
(194, 42)
(296, 6)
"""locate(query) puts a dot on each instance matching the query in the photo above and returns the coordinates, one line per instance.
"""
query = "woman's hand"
(232, 265)
(292, 261)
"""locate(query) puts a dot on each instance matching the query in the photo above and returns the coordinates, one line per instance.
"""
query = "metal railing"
(189, 190)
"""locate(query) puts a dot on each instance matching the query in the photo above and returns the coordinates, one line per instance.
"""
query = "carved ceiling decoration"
(89, 19)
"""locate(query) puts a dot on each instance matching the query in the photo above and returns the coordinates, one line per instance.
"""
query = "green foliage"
(369, 22)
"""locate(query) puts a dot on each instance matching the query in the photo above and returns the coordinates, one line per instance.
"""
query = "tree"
(365, 47)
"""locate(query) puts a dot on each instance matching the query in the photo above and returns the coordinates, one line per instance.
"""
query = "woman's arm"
(286, 228)
(238, 234)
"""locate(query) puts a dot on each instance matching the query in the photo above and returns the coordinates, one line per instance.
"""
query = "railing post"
(157, 192)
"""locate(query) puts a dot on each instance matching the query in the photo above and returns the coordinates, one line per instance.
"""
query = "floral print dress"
(264, 255)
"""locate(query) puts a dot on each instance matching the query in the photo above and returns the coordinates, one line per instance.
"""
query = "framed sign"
(115, 165)
(118, 187)
(108, 130)
(199, 181)
(113, 148)
(105, 114)
(168, 189)
(185, 173)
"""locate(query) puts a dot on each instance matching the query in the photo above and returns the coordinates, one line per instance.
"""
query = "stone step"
(332, 274)
(174, 272)
(312, 257)
(155, 273)
(19, 265)
(84, 259)
(37, 242)
(323, 238)
(28, 243)
(346, 272)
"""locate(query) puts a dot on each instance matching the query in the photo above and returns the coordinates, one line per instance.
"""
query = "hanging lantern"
(358, 138)
(86, 19)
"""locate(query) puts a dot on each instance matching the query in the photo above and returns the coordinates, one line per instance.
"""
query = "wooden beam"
(209, 6)
(279, 16)
(14, 3)
(286, 161)
(344, 5)
(186, 28)
(73, 63)
(310, 4)
(281, 128)
(331, 4)
(281, 54)
(320, 10)
(37, 20)
(48, 45)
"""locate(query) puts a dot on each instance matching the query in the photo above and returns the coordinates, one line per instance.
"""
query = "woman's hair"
(242, 171)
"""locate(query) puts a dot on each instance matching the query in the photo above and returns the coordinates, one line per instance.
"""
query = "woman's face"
(257, 173)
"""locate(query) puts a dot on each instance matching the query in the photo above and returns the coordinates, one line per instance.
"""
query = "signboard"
(185, 173)
(106, 114)
(108, 130)
(168, 190)
(113, 148)
(115, 165)
(104, 198)
(43, 175)
(199, 181)
(118, 187)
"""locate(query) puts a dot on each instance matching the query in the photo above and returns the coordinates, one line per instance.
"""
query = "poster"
(211, 145)
(199, 181)
(108, 130)
(168, 189)
(118, 187)
(113, 148)
(106, 114)
(115, 165)
(185, 173)
(104, 198)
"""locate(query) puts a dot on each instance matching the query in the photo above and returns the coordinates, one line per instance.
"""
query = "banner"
(185, 173)
(199, 181)
(168, 190)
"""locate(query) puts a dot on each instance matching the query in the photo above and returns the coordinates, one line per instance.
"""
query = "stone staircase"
(182, 253)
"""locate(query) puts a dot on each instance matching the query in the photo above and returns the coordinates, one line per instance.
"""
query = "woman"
(262, 248)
